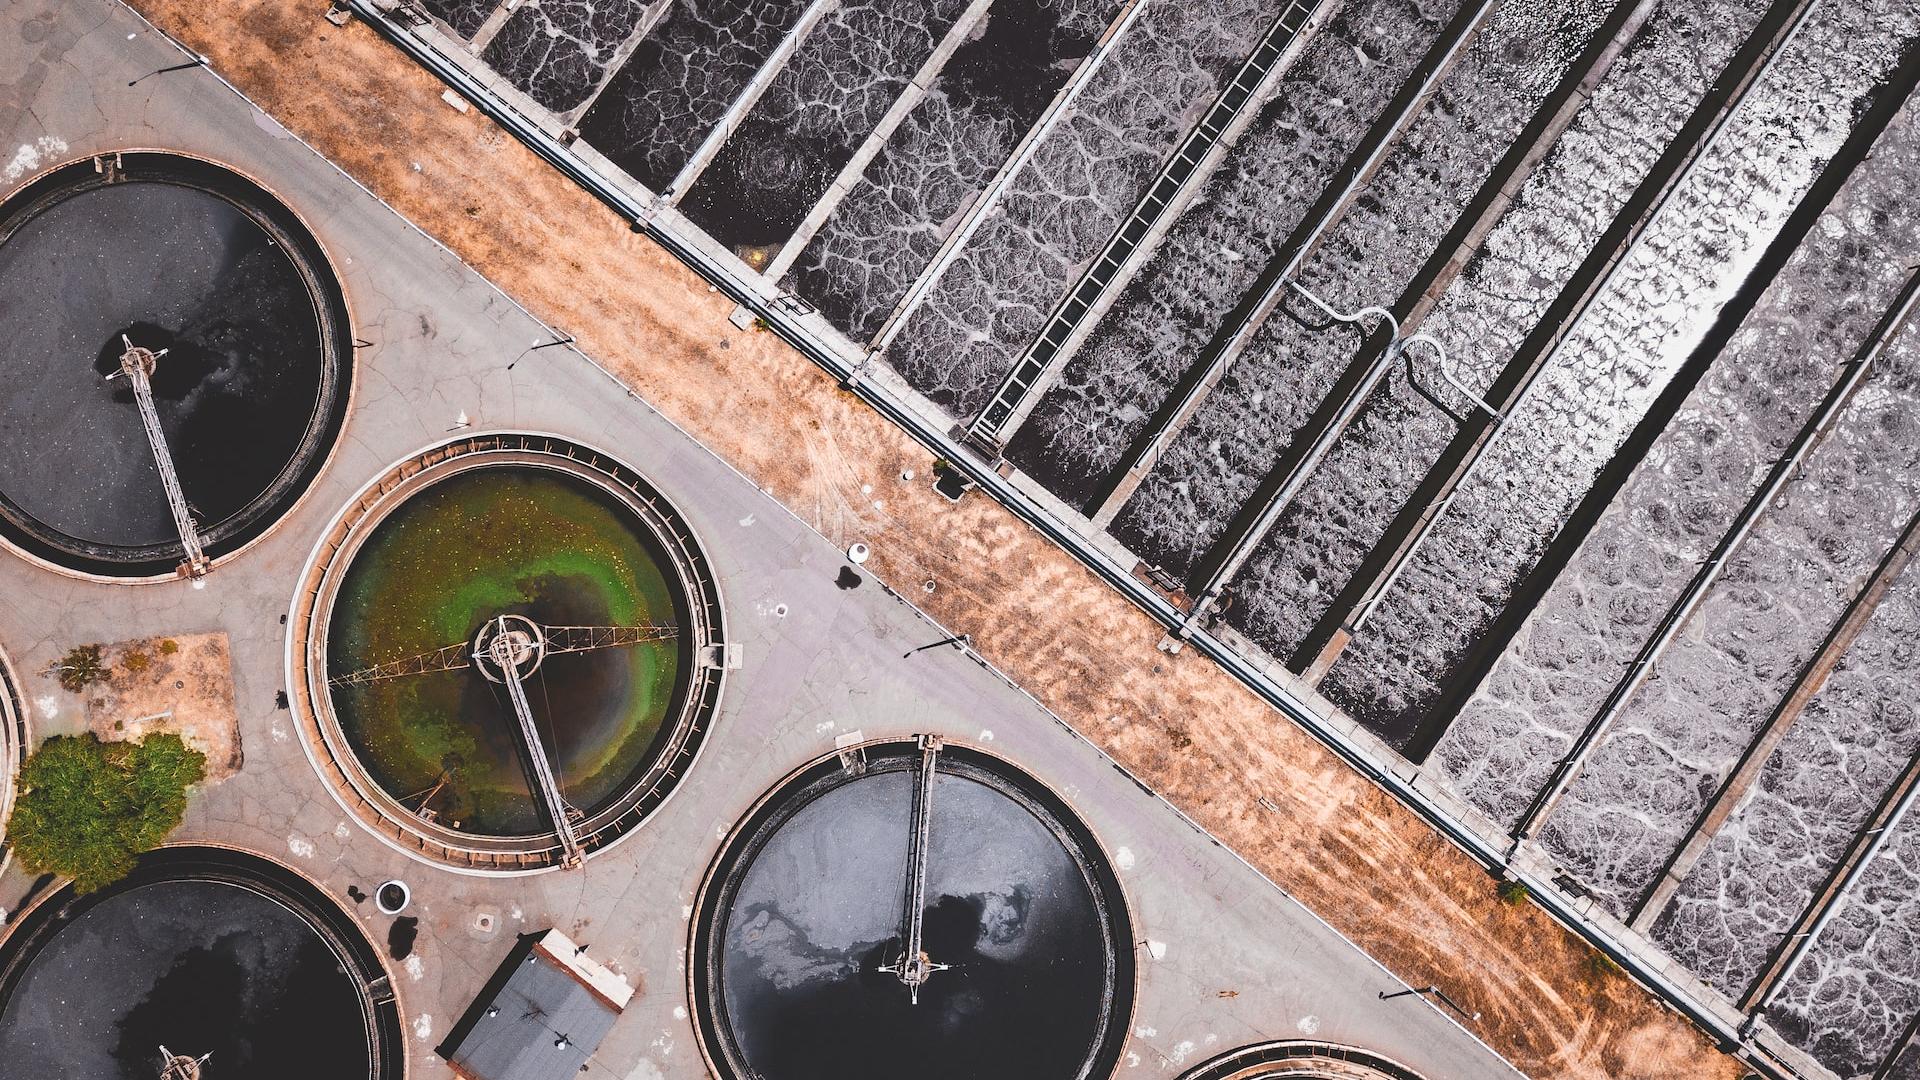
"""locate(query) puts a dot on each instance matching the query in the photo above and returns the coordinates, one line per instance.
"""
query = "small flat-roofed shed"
(540, 1017)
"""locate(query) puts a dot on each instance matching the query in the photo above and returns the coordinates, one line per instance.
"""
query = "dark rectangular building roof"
(540, 1017)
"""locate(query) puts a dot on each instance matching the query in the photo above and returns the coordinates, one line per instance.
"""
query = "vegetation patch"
(88, 808)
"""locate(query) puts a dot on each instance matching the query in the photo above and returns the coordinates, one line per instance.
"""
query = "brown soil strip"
(182, 685)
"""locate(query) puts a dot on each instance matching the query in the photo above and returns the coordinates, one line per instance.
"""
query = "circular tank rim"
(350, 369)
(16, 734)
(1240, 1063)
(1107, 1057)
(29, 930)
(332, 757)
(375, 514)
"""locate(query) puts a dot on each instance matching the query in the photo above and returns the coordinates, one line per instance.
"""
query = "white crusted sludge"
(1064, 205)
(869, 252)
(558, 50)
(1110, 389)
(834, 91)
(658, 108)
(464, 16)
(1817, 791)
(1485, 315)
(1679, 736)
(1589, 624)
(1860, 983)
(1240, 432)
(1635, 337)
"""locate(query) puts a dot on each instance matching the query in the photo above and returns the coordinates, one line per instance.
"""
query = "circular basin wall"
(14, 741)
(202, 951)
(167, 252)
(558, 538)
(805, 907)
(1300, 1060)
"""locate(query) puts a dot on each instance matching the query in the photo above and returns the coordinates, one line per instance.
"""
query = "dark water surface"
(819, 909)
(172, 267)
(199, 966)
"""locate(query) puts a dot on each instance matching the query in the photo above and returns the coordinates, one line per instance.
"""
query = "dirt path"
(1345, 848)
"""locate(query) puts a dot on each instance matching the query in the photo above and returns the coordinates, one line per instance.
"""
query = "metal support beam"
(1806, 930)
(502, 652)
(1183, 171)
(1709, 572)
(1251, 314)
(559, 639)
(137, 365)
(1702, 131)
(989, 197)
(914, 967)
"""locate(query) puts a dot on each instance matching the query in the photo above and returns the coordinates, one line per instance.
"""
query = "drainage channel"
(1709, 1016)
(1019, 384)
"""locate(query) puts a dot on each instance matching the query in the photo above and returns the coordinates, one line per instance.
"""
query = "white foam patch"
(415, 969)
(1146, 1032)
(679, 1012)
(1123, 858)
(1182, 1050)
(300, 846)
(1308, 1025)
(423, 1026)
(48, 705)
(746, 522)
(31, 156)
(341, 832)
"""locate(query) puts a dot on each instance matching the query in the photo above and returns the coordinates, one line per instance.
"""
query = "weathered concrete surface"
(1321, 831)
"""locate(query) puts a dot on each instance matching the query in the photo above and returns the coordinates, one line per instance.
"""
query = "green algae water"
(482, 543)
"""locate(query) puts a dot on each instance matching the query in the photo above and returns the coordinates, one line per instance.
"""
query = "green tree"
(88, 808)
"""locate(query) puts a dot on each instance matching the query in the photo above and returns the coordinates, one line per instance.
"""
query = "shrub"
(87, 809)
(168, 646)
(81, 668)
(136, 662)
(1513, 893)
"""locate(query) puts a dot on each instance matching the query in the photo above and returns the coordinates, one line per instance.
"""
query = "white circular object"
(392, 897)
(858, 553)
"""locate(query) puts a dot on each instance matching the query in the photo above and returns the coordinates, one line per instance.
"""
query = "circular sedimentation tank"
(1299, 1059)
(160, 251)
(571, 567)
(803, 965)
(203, 951)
